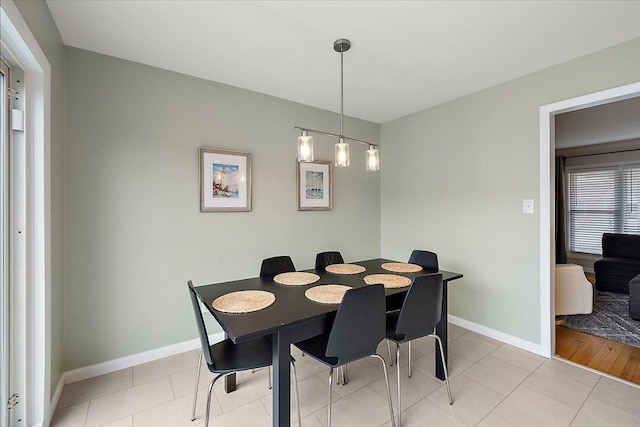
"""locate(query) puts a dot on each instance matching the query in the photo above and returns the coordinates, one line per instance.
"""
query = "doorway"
(547, 197)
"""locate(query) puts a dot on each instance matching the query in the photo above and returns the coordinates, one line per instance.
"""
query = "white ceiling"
(405, 56)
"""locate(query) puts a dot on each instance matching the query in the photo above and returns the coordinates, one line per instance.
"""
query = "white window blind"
(631, 199)
(602, 200)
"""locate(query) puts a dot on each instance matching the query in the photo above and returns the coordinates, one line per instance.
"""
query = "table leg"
(229, 380)
(230, 383)
(441, 331)
(281, 379)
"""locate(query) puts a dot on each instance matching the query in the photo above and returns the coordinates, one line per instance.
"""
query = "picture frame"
(315, 186)
(225, 180)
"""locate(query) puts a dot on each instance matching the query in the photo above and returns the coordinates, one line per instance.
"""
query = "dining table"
(293, 317)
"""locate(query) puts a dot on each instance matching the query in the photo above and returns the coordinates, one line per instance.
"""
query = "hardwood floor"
(608, 356)
(605, 355)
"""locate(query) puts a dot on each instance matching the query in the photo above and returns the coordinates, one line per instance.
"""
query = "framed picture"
(315, 187)
(225, 180)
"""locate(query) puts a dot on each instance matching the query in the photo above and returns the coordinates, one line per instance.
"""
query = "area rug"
(610, 319)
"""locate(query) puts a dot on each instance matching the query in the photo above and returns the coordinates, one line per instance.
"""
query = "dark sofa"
(619, 264)
(634, 298)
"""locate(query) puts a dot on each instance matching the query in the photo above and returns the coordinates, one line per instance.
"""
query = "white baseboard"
(135, 359)
(500, 336)
(170, 350)
(173, 349)
(56, 396)
(87, 372)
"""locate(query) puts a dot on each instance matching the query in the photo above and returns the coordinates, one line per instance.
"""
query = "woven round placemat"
(327, 294)
(243, 301)
(296, 278)
(388, 280)
(401, 267)
(345, 268)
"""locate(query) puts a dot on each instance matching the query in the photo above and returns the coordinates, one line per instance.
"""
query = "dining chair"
(226, 357)
(357, 329)
(327, 258)
(421, 311)
(425, 259)
(272, 267)
(429, 262)
(323, 259)
(276, 265)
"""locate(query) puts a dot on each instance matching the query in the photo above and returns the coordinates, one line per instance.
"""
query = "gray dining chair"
(421, 311)
(323, 259)
(226, 357)
(425, 259)
(276, 265)
(272, 267)
(429, 262)
(357, 329)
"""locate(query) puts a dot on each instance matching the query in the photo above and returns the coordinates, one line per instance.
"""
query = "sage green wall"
(454, 177)
(37, 16)
(134, 233)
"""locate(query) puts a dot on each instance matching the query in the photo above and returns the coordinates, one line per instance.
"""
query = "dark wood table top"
(291, 308)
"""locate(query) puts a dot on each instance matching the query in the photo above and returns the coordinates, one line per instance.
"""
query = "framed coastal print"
(315, 191)
(225, 180)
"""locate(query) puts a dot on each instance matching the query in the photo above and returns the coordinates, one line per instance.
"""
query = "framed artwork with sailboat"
(225, 180)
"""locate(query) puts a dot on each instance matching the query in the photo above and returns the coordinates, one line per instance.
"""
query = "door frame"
(35, 309)
(547, 198)
(5, 332)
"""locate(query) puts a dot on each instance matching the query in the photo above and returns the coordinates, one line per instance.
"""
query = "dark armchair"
(619, 264)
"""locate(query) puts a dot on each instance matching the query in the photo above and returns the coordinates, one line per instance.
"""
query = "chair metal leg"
(195, 390)
(398, 370)
(339, 375)
(206, 416)
(409, 359)
(386, 379)
(329, 407)
(269, 376)
(444, 367)
(389, 350)
(344, 374)
(295, 384)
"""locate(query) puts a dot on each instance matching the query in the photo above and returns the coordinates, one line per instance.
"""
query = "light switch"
(527, 206)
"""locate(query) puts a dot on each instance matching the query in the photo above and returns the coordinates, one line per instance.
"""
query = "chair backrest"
(422, 307)
(359, 325)
(425, 259)
(621, 245)
(327, 258)
(202, 329)
(276, 265)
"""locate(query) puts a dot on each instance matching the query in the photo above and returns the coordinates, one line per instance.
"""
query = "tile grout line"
(511, 392)
(90, 402)
(585, 400)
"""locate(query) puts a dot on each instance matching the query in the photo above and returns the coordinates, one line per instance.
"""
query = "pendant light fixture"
(305, 141)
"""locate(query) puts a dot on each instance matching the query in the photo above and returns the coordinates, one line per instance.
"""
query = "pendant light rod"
(335, 135)
(341, 93)
(305, 142)
(341, 46)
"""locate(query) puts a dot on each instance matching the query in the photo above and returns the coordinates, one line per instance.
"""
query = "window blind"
(602, 200)
(631, 199)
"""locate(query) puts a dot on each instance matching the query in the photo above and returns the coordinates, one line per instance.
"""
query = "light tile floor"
(493, 384)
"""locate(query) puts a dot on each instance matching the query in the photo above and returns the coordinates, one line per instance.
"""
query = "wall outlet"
(527, 206)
